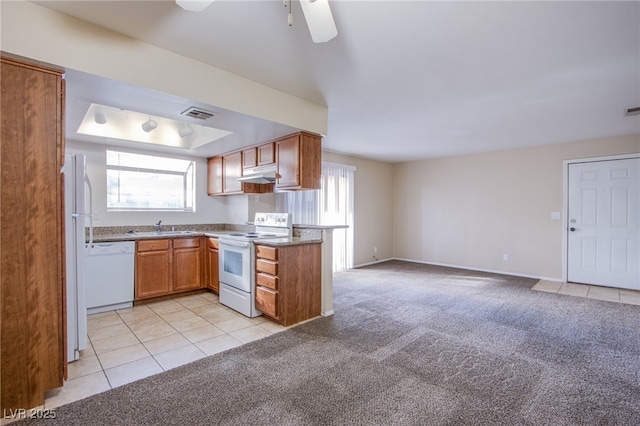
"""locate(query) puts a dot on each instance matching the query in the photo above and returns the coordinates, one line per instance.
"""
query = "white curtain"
(331, 205)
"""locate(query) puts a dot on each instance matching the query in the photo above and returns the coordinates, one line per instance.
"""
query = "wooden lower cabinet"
(168, 266)
(288, 282)
(212, 280)
(153, 268)
(188, 258)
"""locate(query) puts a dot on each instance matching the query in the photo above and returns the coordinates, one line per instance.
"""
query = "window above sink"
(138, 182)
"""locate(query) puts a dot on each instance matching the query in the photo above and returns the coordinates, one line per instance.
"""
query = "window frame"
(188, 180)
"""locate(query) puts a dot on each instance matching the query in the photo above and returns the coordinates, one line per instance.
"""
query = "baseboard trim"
(373, 263)
(449, 265)
(327, 314)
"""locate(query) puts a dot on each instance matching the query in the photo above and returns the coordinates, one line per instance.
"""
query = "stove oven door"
(235, 264)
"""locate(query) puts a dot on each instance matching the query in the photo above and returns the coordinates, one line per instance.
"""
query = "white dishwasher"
(110, 276)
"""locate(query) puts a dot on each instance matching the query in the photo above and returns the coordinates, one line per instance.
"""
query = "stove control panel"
(280, 220)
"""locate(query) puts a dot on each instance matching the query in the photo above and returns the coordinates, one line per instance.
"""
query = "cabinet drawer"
(186, 242)
(265, 252)
(212, 243)
(267, 266)
(267, 281)
(152, 245)
(267, 301)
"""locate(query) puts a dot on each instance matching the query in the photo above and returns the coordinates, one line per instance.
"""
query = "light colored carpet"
(409, 344)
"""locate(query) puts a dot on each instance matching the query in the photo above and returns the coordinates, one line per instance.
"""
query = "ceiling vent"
(198, 113)
(633, 111)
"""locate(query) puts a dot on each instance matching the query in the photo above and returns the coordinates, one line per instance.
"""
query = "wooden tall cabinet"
(32, 243)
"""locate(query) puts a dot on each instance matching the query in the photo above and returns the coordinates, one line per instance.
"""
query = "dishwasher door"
(110, 276)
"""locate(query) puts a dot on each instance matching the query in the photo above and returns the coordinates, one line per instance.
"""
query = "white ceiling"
(404, 80)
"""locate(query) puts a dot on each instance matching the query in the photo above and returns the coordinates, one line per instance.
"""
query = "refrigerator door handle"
(90, 214)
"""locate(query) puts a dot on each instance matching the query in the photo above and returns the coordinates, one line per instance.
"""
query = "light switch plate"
(555, 216)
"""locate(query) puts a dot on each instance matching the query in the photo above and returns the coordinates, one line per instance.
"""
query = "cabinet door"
(212, 265)
(214, 176)
(310, 161)
(249, 159)
(232, 170)
(266, 154)
(187, 264)
(288, 162)
(153, 273)
(32, 245)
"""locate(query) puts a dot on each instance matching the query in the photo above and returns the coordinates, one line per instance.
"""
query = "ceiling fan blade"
(319, 19)
(194, 5)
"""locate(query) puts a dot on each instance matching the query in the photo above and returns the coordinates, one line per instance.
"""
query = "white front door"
(604, 223)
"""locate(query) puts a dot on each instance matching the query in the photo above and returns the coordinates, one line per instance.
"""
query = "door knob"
(572, 229)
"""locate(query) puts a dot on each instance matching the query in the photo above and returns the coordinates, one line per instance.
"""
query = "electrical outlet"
(375, 249)
(505, 257)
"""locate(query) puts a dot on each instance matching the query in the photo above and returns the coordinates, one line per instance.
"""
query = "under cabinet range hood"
(259, 175)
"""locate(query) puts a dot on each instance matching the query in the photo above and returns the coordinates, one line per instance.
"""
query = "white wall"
(208, 209)
(471, 210)
(236, 209)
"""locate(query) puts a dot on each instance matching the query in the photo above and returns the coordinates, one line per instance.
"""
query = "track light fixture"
(185, 131)
(149, 125)
(100, 117)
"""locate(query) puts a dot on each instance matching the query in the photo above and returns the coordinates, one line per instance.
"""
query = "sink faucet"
(157, 225)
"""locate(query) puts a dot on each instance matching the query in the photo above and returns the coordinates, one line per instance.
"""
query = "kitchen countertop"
(123, 235)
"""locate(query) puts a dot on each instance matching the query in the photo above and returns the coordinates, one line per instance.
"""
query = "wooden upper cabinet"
(214, 176)
(32, 249)
(262, 155)
(298, 162)
(249, 158)
(266, 154)
(297, 159)
(232, 170)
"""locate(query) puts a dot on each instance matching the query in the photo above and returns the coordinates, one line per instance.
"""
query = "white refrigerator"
(77, 208)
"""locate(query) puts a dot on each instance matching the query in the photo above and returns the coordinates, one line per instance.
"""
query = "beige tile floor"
(631, 297)
(133, 343)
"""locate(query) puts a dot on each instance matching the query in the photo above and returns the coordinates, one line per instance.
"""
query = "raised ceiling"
(415, 79)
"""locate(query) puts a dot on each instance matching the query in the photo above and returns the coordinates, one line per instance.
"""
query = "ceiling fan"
(317, 13)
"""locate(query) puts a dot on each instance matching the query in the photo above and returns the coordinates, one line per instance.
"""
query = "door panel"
(604, 223)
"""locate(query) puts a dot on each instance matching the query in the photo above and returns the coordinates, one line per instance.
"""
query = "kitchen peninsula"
(204, 238)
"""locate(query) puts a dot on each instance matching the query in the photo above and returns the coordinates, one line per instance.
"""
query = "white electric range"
(237, 260)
